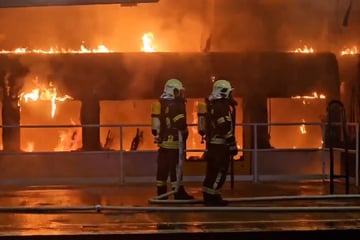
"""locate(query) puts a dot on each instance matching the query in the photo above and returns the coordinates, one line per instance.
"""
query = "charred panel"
(120, 76)
(141, 75)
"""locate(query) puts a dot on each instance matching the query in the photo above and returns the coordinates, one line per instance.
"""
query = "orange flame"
(29, 147)
(305, 49)
(302, 127)
(45, 94)
(305, 99)
(69, 140)
(350, 51)
(83, 49)
(315, 95)
(148, 45)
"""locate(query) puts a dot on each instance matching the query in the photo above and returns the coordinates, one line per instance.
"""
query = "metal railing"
(255, 150)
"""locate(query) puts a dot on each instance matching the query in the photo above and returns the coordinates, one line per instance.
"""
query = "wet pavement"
(256, 211)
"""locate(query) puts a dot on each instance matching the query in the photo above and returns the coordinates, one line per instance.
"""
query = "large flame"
(305, 100)
(45, 94)
(148, 42)
(305, 49)
(55, 50)
(350, 51)
(70, 139)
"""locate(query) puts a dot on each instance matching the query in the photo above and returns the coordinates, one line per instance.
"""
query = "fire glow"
(305, 49)
(55, 50)
(147, 46)
(349, 51)
(44, 94)
(314, 95)
(302, 127)
(148, 42)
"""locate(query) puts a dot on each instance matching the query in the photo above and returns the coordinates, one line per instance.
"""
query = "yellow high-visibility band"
(178, 117)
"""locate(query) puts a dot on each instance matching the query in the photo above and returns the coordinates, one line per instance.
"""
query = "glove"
(233, 149)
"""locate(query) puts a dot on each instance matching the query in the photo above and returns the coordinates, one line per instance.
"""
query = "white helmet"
(173, 88)
(221, 89)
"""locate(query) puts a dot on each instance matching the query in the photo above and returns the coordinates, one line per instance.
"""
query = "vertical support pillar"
(10, 116)
(255, 111)
(90, 115)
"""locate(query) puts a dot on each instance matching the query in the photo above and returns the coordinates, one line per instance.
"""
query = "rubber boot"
(181, 194)
(214, 200)
(162, 190)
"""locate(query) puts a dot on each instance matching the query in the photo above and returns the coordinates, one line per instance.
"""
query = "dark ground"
(68, 212)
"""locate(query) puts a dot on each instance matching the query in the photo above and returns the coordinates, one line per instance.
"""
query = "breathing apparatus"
(202, 120)
(155, 120)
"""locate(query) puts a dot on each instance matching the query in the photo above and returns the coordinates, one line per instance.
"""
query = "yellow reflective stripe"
(210, 191)
(217, 141)
(173, 184)
(228, 118)
(217, 180)
(160, 183)
(228, 134)
(220, 120)
(178, 117)
(169, 145)
(167, 122)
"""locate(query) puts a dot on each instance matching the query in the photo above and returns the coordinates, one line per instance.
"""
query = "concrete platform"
(115, 167)
(271, 210)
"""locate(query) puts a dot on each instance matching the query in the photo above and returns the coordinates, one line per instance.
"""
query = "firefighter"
(220, 141)
(168, 118)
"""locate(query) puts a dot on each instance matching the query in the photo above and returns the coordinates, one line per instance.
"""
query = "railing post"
(323, 128)
(357, 155)
(255, 157)
(121, 156)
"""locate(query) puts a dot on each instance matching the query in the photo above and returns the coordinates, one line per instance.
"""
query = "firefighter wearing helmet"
(220, 140)
(169, 116)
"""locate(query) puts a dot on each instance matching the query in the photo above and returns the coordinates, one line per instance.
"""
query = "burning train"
(73, 91)
(89, 80)
(118, 88)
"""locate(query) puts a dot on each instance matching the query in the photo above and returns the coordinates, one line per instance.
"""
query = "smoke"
(119, 28)
(284, 25)
(184, 25)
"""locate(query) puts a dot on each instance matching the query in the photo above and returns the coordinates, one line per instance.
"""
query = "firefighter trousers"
(217, 160)
(167, 164)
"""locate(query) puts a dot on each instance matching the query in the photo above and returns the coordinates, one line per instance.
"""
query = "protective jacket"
(172, 119)
(219, 122)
